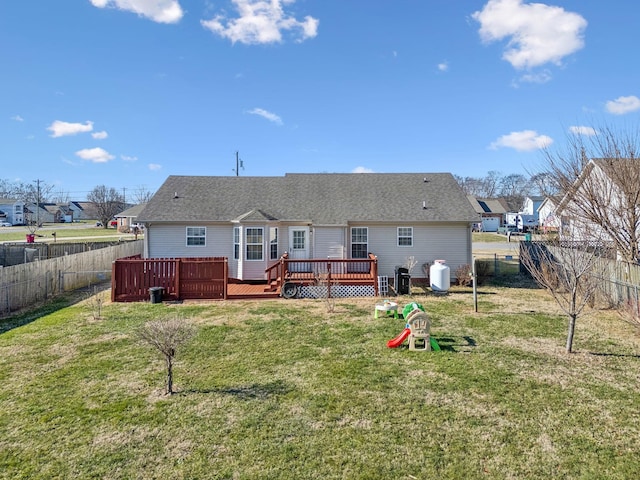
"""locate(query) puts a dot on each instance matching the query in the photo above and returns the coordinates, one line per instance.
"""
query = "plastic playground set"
(417, 329)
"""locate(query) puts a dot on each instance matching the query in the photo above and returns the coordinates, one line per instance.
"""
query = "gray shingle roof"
(319, 198)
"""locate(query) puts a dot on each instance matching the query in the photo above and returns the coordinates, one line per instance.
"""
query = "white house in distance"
(11, 211)
(253, 221)
(547, 214)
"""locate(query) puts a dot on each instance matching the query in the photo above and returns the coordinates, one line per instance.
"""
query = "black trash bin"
(402, 281)
(155, 294)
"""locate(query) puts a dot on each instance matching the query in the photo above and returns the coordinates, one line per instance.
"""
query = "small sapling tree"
(167, 336)
(571, 273)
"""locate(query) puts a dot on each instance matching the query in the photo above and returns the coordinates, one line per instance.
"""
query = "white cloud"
(523, 141)
(17, 118)
(443, 67)
(100, 135)
(582, 130)
(361, 170)
(62, 129)
(540, 77)
(622, 105)
(537, 33)
(272, 117)
(261, 21)
(161, 11)
(128, 158)
(95, 155)
(154, 167)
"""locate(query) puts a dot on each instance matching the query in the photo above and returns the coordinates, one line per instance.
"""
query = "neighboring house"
(402, 218)
(611, 183)
(548, 216)
(37, 214)
(491, 212)
(59, 212)
(82, 210)
(530, 206)
(12, 211)
(128, 217)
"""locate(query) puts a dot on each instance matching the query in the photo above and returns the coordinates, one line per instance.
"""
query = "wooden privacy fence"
(21, 252)
(30, 283)
(619, 280)
(179, 278)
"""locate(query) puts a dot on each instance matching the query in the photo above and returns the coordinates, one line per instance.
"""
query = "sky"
(124, 93)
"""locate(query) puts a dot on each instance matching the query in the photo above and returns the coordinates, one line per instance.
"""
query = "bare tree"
(514, 188)
(142, 195)
(167, 336)
(106, 202)
(61, 197)
(571, 273)
(599, 177)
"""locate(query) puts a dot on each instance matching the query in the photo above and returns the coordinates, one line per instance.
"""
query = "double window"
(196, 236)
(405, 236)
(254, 241)
(359, 242)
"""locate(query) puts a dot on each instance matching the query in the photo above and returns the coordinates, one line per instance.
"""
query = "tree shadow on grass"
(254, 391)
(608, 354)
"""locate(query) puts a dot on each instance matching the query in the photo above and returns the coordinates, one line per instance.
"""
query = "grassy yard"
(85, 231)
(284, 389)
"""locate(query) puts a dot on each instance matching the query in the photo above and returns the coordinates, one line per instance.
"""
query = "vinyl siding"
(434, 242)
(329, 242)
(170, 241)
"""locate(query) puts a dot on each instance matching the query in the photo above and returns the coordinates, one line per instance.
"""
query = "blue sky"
(126, 92)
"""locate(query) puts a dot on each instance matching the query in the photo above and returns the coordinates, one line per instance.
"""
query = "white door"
(299, 248)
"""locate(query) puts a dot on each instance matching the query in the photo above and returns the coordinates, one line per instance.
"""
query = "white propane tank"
(440, 276)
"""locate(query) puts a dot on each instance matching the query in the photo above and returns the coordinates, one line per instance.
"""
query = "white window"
(273, 243)
(254, 238)
(196, 236)
(359, 242)
(236, 243)
(405, 236)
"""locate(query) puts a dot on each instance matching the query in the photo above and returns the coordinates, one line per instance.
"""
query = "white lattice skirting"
(312, 291)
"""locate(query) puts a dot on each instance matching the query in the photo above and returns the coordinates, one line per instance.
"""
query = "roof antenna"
(239, 164)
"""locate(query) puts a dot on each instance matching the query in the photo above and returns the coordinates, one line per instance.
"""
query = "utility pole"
(37, 202)
(239, 164)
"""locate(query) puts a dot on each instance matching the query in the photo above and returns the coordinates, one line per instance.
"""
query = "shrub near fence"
(497, 265)
(30, 283)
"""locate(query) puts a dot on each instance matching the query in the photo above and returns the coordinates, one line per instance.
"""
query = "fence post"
(177, 279)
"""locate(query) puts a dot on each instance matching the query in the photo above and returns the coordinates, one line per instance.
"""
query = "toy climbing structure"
(419, 327)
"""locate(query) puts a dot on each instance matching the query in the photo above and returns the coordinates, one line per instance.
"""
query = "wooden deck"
(237, 291)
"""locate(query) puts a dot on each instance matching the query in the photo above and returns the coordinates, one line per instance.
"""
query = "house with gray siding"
(404, 219)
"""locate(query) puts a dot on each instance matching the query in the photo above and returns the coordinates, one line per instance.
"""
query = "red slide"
(399, 340)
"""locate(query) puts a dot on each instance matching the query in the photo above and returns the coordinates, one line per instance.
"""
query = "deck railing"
(344, 271)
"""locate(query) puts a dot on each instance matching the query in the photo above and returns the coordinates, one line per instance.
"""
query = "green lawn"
(488, 237)
(283, 389)
(84, 231)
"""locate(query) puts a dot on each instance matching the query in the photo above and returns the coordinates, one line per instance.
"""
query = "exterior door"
(299, 248)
